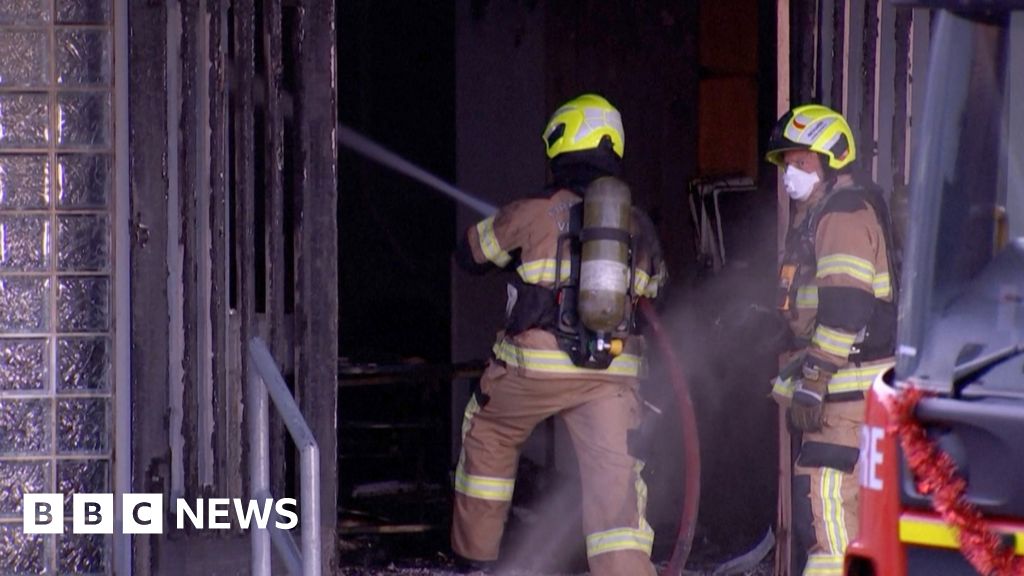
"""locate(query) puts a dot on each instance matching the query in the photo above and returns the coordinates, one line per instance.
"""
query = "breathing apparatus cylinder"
(604, 268)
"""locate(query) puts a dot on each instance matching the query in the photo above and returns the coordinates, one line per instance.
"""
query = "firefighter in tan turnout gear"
(580, 256)
(837, 290)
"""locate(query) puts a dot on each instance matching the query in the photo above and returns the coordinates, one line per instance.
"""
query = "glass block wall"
(56, 177)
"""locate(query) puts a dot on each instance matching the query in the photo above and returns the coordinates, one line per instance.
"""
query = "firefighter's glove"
(809, 399)
(785, 383)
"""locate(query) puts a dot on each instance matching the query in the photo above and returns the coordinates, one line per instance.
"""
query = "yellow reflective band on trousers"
(824, 565)
(618, 539)
(558, 362)
(489, 244)
(834, 517)
(852, 266)
(484, 487)
(833, 341)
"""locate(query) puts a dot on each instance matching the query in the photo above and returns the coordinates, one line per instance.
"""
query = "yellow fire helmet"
(816, 128)
(581, 123)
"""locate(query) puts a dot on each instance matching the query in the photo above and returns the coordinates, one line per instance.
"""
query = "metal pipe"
(310, 494)
(274, 384)
(259, 465)
(122, 289)
(284, 544)
(361, 144)
(264, 379)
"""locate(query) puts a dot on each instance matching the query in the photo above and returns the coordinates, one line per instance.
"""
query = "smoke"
(728, 368)
(546, 532)
(724, 330)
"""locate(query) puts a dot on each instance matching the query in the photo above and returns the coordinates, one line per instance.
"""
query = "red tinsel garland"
(935, 474)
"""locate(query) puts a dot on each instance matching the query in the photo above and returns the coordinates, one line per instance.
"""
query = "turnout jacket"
(844, 298)
(524, 236)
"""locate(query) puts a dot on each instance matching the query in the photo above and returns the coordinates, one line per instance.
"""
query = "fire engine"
(942, 449)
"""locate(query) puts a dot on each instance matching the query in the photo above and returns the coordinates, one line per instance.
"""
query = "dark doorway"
(396, 85)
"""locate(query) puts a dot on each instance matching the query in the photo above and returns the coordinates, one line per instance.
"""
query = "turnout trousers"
(598, 415)
(826, 488)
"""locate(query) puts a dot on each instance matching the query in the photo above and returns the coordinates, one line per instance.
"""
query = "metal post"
(285, 546)
(263, 379)
(259, 465)
(122, 552)
(310, 494)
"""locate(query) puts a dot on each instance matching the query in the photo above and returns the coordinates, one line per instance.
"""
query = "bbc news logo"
(144, 513)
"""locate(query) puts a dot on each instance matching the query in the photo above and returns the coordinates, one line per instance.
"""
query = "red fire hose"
(691, 444)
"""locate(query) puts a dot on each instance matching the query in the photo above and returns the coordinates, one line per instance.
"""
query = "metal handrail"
(264, 378)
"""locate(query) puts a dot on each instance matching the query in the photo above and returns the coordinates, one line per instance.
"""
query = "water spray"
(362, 145)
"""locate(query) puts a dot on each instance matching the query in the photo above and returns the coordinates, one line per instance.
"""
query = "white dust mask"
(798, 183)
